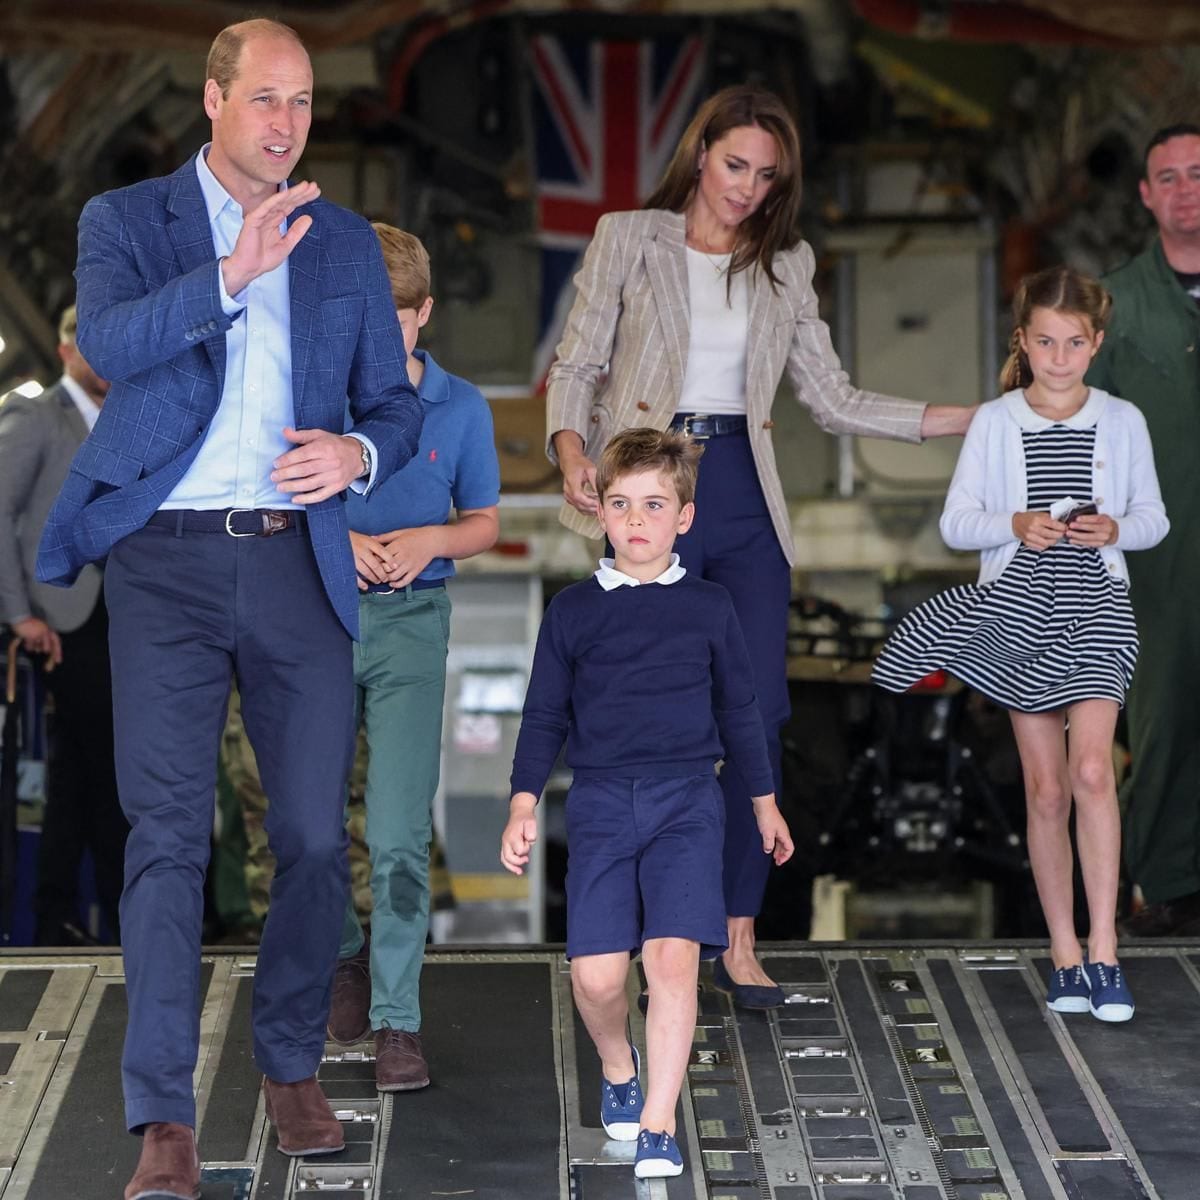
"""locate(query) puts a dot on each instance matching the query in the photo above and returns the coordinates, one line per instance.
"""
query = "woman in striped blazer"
(688, 313)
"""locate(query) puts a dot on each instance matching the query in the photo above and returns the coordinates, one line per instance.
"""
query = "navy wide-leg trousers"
(733, 543)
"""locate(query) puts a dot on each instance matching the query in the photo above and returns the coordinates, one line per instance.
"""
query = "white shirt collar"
(89, 410)
(215, 195)
(1027, 419)
(608, 577)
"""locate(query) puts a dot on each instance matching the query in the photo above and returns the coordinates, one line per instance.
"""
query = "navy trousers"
(188, 611)
(733, 543)
(82, 810)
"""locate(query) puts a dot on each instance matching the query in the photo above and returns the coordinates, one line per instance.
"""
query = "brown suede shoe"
(169, 1167)
(399, 1063)
(304, 1122)
(1179, 917)
(350, 1012)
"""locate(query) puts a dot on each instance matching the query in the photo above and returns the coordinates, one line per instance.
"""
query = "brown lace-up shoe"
(304, 1122)
(169, 1167)
(350, 1010)
(399, 1062)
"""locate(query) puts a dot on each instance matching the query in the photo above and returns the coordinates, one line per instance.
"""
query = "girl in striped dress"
(1055, 481)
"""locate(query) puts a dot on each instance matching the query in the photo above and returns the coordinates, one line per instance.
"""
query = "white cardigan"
(989, 484)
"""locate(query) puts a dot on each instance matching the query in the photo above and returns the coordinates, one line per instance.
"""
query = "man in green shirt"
(1151, 356)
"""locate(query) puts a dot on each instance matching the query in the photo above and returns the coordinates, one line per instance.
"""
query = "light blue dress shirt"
(233, 467)
(89, 410)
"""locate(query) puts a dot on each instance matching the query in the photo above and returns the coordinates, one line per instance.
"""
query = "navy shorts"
(644, 861)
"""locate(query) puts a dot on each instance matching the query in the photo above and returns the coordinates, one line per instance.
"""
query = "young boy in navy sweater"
(642, 670)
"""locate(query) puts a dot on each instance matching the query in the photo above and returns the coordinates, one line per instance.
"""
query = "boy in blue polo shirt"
(643, 671)
(404, 551)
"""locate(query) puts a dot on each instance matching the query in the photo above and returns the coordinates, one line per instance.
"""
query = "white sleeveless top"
(715, 379)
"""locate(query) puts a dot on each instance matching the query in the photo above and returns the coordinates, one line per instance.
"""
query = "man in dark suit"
(235, 316)
(38, 437)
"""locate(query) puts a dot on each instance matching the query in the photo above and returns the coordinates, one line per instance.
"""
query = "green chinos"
(400, 675)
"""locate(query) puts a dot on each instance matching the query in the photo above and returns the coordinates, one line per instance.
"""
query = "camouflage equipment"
(243, 862)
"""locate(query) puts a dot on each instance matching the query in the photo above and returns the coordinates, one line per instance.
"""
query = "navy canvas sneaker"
(1068, 991)
(621, 1104)
(1111, 999)
(658, 1156)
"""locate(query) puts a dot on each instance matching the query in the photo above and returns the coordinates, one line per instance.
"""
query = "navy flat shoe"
(746, 995)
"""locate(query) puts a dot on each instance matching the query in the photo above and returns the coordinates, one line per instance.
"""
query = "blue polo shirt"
(455, 465)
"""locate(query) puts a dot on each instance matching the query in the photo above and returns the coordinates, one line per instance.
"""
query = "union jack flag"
(606, 119)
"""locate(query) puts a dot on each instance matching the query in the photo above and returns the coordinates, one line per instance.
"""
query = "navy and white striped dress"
(1055, 628)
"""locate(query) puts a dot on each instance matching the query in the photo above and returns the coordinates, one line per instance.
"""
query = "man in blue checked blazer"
(258, 370)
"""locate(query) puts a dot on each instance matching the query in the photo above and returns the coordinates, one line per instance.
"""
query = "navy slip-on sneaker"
(621, 1115)
(1068, 991)
(658, 1156)
(1110, 999)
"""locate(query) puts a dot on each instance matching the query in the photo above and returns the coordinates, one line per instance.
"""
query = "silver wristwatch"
(365, 473)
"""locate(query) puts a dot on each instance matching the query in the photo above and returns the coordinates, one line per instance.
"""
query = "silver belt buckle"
(687, 426)
(233, 532)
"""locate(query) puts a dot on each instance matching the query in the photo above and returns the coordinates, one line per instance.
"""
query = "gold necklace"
(698, 243)
(719, 267)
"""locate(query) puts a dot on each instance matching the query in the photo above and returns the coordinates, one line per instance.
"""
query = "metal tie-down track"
(893, 1073)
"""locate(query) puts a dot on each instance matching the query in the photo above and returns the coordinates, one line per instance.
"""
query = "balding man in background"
(38, 439)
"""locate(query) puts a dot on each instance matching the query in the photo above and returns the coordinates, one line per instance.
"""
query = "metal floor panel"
(894, 1072)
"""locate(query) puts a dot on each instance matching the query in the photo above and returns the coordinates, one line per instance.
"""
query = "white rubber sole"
(657, 1168)
(1070, 1004)
(1114, 1014)
(621, 1131)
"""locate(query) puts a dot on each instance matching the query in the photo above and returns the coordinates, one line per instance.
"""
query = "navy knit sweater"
(641, 681)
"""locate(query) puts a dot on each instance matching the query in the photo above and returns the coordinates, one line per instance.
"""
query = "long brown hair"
(773, 226)
(1060, 289)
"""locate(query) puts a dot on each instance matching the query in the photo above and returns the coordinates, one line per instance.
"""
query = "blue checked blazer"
(151, 322)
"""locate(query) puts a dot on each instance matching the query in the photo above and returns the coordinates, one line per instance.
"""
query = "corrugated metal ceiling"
(161, 24)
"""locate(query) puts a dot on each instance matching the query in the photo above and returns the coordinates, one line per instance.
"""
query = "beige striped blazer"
(622, 358)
